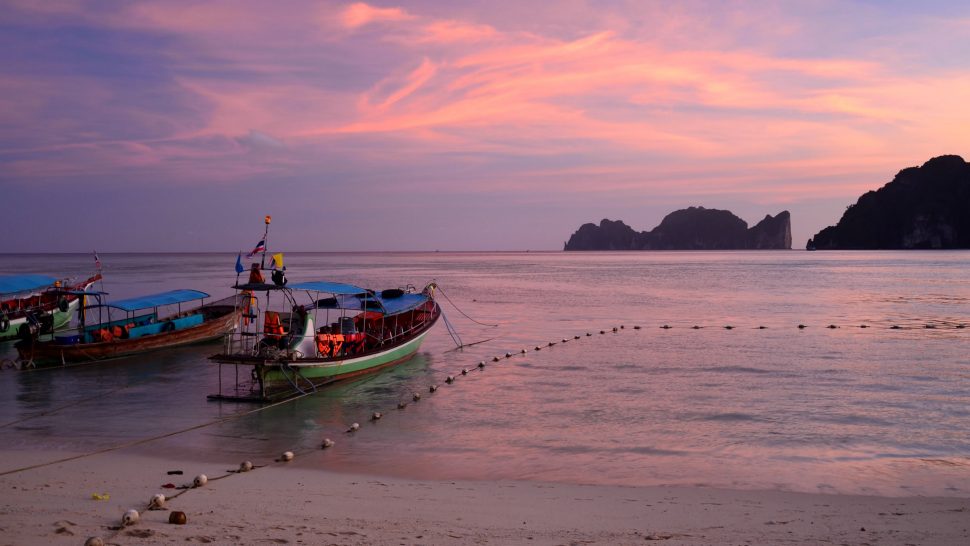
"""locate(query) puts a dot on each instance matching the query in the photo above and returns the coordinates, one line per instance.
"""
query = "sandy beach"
(285, 503)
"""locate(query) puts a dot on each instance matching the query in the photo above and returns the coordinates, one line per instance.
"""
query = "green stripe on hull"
(61, 319)
(326, 372)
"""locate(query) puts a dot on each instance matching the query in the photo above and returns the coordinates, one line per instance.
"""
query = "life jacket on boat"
(329, 344)
(272, 326)
(103, 334)
(256, 276)
(248, 306)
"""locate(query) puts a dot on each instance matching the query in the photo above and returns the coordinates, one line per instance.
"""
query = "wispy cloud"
(647, 98)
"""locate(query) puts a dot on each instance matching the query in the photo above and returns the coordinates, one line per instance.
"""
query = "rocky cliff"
(694, 228)
(923, 207)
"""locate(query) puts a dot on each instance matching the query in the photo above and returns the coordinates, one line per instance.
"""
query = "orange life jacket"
(329, 344)
(272, 326)
(248, 305)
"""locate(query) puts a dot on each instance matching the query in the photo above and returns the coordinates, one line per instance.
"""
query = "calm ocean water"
(847, 410)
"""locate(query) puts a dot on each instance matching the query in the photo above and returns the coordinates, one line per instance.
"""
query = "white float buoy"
(94, 541)
(464, 371)
(130, 518)
(327, 442)
(158, 501)
(245, 466)
(494, 359)
(286, 456)
(432, 388)
(508, 355)
(377, 415)
(450, 379)
(415, 397)
(353, 427)
(481, 365)
(200, 480)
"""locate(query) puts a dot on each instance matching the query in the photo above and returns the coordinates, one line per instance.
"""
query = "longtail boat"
(132, 326)
(37, 304)
(335, 331)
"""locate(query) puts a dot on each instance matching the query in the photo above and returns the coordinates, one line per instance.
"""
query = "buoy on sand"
(245, 466)
(130, 518)
(200, 480)
(286, 456)
(158, 501)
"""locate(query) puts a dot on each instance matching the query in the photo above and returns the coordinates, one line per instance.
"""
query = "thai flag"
(260, 247)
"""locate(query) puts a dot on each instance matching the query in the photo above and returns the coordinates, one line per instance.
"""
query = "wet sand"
(286, 503)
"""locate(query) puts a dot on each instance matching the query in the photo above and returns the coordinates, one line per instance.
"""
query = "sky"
(441, 125)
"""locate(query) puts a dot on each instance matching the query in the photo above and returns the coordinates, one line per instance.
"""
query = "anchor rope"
(66, 406)
(462, 312)
(152, 438)
(452, 331)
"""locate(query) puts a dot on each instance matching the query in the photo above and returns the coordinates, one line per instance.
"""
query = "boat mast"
(262, 259)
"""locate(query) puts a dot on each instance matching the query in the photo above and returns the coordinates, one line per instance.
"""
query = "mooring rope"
(152, 438)
(452, 331)
(462, 312)
(71, 405)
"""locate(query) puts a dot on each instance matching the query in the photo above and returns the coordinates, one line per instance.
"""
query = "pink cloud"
(447, 31)
(633, 96)
(360, 14)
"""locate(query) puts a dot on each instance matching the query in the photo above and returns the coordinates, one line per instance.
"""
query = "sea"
(690, 368)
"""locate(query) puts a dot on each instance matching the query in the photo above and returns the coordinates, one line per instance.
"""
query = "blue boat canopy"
(10, 284)
(372, 303)
(403, 303)
(328, 287)
(156, 300)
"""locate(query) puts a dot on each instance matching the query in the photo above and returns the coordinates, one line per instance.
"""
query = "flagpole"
(262, 259)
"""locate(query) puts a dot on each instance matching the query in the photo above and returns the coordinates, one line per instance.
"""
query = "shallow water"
(846, 410)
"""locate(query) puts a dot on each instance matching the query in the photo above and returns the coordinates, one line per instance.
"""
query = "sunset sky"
(432, 124)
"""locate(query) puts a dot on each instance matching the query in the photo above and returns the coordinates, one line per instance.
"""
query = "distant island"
(923, 207)
(693, 228)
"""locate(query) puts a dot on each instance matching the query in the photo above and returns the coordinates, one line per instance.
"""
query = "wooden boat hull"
(49, 352)
(277, 379)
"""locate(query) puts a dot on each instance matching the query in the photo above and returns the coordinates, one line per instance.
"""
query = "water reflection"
(848, 409)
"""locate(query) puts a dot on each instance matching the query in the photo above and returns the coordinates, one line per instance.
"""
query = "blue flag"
(239, 266)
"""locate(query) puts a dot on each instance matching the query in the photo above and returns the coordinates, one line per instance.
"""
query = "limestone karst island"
(924, 207)
(693, 228)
